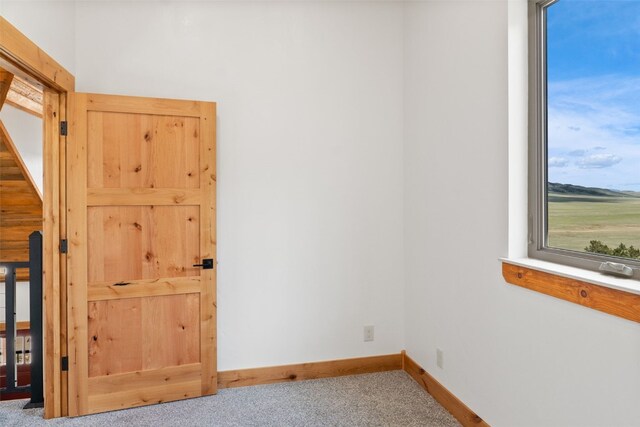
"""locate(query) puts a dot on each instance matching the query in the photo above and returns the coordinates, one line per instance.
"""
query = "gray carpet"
(382, 399)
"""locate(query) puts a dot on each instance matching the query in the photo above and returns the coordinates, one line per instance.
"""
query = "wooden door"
(141, 176)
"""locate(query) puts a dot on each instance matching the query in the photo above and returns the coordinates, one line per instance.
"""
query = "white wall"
(518, 358)
(313, 176)
(309, 159)
(22, 301)
(49, 23)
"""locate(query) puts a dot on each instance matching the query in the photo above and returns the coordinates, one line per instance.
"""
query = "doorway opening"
(21, 214)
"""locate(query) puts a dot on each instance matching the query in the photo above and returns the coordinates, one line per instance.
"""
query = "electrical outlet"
(440, 358)
(368, 333)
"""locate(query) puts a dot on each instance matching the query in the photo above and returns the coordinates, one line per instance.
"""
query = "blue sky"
(593, 52)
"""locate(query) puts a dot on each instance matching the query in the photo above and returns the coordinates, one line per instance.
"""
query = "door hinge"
(64, 363)
(64, 246)
(63, 128)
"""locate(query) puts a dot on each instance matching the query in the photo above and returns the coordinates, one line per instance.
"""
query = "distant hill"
(571, 189)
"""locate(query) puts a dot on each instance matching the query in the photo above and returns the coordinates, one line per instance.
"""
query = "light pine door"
(141, 177)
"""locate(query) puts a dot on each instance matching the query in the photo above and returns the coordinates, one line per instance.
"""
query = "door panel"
(145, 242)
(166, 154)
(141, 212)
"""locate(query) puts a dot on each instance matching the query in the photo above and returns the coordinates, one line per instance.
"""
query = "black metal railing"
(35, 323)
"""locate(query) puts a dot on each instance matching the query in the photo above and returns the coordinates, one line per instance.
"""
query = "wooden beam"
(309, 371)
(608, 300)
(25, 96)
(17, 49)
(5, 84)
(448, 400)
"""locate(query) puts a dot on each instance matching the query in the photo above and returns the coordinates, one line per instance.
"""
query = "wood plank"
(98, 291)
(145, 242)
(155, 331)
(22, 274)
(144, 396)
(26, 97)
(208, 246)
(5, 84)
(115, 336)
(161, 151)
(16, 255)
(142, 196)
(77, 257)
(19, 232)
(171, 330)
(448, 400)
(131, 104)
(149, 378)
(51, 259)
(23, 325)
(9, 187)
(309, 371)
(608, 300)
(16, 48)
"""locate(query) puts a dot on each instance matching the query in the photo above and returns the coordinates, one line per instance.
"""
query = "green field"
(574, 220)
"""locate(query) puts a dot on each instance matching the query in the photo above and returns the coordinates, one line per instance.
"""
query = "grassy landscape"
(578, 215)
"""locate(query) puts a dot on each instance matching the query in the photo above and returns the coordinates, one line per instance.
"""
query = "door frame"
(22, 57)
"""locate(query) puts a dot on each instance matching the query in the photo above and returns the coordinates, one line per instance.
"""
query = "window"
(584, 206)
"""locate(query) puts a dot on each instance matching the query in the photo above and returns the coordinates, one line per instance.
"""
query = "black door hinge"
(64, 246)
(64, 363)
(63, 128)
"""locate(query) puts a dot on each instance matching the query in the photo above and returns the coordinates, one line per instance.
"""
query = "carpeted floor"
(382, 399)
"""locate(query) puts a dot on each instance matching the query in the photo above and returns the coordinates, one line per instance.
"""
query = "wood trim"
(98, 291)
(611, 301)
(129, 196)
(130, 381)
(16, 48)
(77, 271)
(141, 105)
(26, 60)
(178, 382)
(51, 259)
(22, 325)
(448, 400)
(309, 371)
(62, 209)
(208, 303)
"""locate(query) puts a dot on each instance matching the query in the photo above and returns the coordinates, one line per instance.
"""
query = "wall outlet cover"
(368, 333)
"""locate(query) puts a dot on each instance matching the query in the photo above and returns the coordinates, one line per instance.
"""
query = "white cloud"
(577, 153)
(605, 109)
(557, 162)
(598, 161)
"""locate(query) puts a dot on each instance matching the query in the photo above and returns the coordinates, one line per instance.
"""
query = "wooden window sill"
(618, 297)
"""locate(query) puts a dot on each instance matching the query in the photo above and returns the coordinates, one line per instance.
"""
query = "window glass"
(593, 127)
